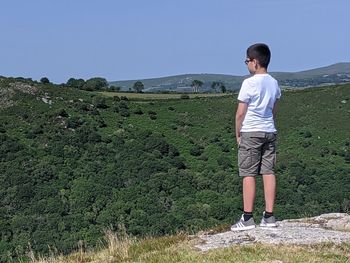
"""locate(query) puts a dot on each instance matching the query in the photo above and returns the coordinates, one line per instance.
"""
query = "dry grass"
(180, 249)
(117, 249)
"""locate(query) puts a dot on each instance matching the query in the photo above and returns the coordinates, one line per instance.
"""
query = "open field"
(162, 96)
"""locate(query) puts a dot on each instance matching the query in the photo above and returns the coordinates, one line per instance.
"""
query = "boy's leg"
(269, 191)
(268, 220)
(249, 159)
(247, 222)
(268, 171)
(249, 155)
(248, 193)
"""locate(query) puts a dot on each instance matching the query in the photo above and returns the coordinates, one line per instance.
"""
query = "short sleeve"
(278, 96)
(243, 94)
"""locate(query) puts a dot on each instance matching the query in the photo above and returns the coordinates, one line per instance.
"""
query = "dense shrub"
(225, 162)
(124, 112)
(306, 134)
(152, 115)
(138, 111)
(123, 105)
(196, 150)
(100, 102)
(62, 113)
(74, 122)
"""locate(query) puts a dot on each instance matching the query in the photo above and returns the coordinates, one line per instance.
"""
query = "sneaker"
(243, 225)
(268, 222)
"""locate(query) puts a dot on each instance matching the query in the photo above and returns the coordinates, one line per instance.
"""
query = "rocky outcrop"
(7, 93)
(326, 228)
(24, 88)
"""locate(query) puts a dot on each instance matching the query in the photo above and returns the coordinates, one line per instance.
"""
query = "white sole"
(269, 225)
(242, 228)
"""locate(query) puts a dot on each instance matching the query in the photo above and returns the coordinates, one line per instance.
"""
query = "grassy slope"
(180, 249)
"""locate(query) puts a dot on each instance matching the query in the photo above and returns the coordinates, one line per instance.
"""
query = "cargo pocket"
(244, 159)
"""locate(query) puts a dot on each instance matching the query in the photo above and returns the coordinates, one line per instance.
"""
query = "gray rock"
(7, 93)
(326, 228)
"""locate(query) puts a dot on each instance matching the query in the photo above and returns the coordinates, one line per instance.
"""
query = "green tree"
(114, 88)
(75, 83)
(138, 86)
(218, 85)
(196, 84)
(223, 88)
(95, 84)
(45, 80)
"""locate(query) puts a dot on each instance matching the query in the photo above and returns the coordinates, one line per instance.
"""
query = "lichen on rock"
(326, 228)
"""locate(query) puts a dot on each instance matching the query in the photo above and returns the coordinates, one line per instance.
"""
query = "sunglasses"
(248, 60)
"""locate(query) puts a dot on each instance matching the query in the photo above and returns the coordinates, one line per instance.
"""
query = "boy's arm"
(240, 114)
(274, 110)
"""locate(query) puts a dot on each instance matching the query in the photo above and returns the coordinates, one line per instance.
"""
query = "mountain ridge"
(332, 74)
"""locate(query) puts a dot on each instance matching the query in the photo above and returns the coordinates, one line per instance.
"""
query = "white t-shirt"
(260, 92)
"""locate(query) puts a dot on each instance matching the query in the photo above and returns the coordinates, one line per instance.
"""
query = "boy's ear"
(257, 64)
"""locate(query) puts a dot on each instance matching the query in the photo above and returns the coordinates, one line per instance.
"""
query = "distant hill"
(333, 74)
(339, 68)
(180, 83)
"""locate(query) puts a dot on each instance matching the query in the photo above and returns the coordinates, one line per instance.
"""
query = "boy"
(256, 135)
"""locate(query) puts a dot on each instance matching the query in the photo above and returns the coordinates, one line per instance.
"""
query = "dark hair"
(261, 53)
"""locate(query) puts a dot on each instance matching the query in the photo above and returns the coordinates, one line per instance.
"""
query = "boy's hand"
(240, 115)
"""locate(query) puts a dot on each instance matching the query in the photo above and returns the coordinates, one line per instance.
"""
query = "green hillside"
(333, 74)
(75, 163)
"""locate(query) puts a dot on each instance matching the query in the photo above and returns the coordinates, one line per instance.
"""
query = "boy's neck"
(260, 70)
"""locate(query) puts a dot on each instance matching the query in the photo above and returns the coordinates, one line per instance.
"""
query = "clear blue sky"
(136, 39)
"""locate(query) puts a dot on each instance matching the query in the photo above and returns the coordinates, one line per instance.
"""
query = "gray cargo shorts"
(257, 153)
